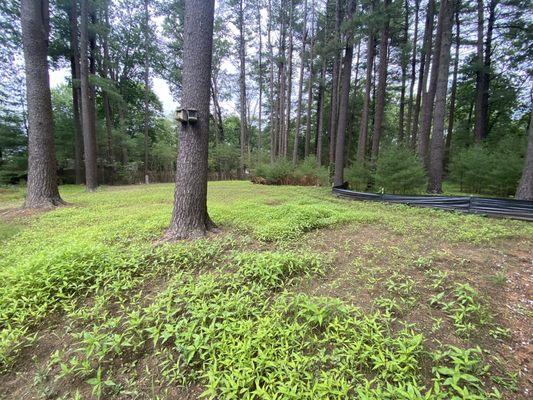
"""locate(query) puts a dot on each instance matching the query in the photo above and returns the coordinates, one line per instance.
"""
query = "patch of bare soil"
(366, 256)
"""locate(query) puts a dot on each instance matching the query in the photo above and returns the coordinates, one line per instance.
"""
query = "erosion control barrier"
(493, 207)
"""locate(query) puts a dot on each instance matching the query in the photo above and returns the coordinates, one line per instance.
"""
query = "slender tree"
(146, 34)
(525, 186)
(344, 99)
(453, 95)
(413, 73)
(75, 73)
(42, 188)
(87, 103)
(363, 125)
(382, 83)
(447, 10)
(335, 85)
(242, 85)
(300, 88)
(307, 147)
(190, 218)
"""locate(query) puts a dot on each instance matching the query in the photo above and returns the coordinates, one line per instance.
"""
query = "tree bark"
(42, 190)
(382, 84)
(289, 84)
(334, 88)
(425, 60)
(307, 147)
(437, 139)
(338, 176)
(429, 97)
(479, 132)
(363, 125)
(75, 73)
(242, 87)
(146, 89)
(271, 84)
(87, 94)
(525, 186)
(485, 126)
(260, 112)
(451, 115)
(300, 89)
(190, 218)
(403, 63)
(413, 74)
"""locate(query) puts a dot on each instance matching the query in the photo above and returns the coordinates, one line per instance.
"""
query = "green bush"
(309, 171)
(477, 169)
(398, 170)
(358, 175)
(283, 172)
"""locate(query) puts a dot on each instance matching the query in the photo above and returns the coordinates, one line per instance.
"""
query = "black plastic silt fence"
(494, 207)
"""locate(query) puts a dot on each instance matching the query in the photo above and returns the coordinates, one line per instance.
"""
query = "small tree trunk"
(87, 94)
(260, 112)
(525, 186)
(190, 218)
(42, 190)
(307, 147)
(289, 85)
(437, 139)
(75, 72)
(382, 84)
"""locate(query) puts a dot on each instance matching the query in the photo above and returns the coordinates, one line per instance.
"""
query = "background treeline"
(387, 95)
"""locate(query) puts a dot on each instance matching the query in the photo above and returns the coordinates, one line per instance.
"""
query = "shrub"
(398, 170)
(478, 169)
(283, 172)
(309, 173)
(358, 175)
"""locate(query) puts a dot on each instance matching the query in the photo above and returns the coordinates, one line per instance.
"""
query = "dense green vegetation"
(229, 316)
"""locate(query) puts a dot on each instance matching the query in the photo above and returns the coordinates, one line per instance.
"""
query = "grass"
(302, 295)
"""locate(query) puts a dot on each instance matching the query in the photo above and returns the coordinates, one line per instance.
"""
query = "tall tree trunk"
(87, 103)
(105, 96)
(320, 127)
(437, 139)
(451, 115)
(189, 217)
(404, 62)
(75, 72)
(282, 80)
(271, 84)
(334, 88)
(307, 147)
(42, 188)
(413, 74)
(242, 86)
(363, 124)
(289, 84)
(338, 176)
(485, 127)
(429, 97)
(260, 112)
(146, 89)
(525, 186)
(382, 84)
(300, 89)
(479, 127)
(425, 60)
